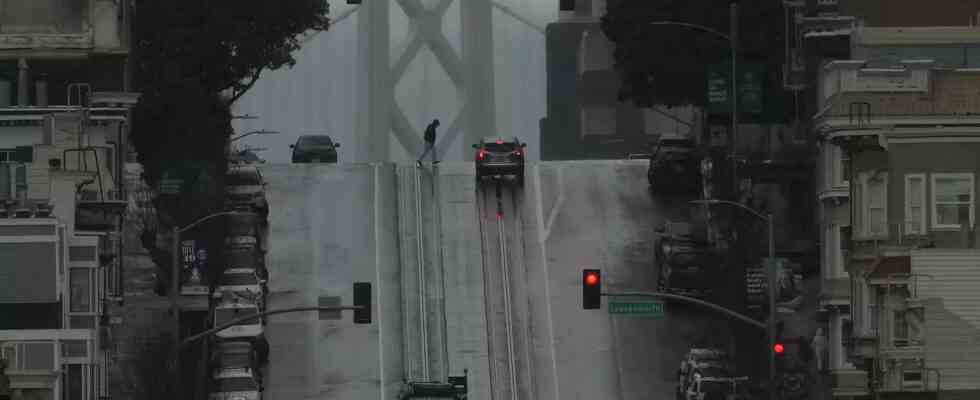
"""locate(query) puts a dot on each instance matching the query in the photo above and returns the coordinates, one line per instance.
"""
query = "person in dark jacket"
(430, 142)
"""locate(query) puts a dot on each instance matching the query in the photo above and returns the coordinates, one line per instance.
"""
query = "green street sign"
(750, 85)
(636, 306)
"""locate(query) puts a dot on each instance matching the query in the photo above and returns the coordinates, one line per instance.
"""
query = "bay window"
(952, 199)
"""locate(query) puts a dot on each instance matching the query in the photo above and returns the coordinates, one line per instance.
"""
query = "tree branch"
(248, 86)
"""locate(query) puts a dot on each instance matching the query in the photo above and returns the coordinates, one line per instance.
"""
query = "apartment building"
(899, 152)
(63, 129)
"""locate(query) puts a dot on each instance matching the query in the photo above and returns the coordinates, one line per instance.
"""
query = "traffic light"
(779, 348)
(591, 285)
(362, 297)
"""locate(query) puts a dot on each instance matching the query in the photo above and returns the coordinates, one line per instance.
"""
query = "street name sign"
(636, 306)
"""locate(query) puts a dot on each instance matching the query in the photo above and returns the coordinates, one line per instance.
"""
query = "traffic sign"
(636, 306)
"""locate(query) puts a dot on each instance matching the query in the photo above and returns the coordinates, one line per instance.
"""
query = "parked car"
(315, 149)
(685, 261)
(229, 309)
(234, 354)
(708, 373)
(674, 165)
(244, 187)
(243, 282)
(496, 156)
(236, 384)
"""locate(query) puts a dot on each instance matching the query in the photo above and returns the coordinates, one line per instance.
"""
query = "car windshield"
(316, 141)
(236, 385)
(241, 259)
(225, 315)
(499, 147)
(238, 279)
(717, 387)
(242, 179)
(234, 360)
(682, 143)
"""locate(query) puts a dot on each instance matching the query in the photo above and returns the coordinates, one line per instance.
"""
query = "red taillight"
(482, 154)
(517, 153)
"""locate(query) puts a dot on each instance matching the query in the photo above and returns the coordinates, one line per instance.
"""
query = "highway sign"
(624, 305)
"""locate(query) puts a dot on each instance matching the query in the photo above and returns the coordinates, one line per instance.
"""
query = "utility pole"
(733, 36)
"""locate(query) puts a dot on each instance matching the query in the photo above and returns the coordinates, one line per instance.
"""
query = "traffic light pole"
(229, 324)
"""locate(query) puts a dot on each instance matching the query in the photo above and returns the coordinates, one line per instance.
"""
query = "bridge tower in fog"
(380, 117)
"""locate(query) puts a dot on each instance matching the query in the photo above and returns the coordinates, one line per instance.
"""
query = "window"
(875, 204)
(952, 199)
(900, 329)
(840, 166)
(915, 200)
(81, 288)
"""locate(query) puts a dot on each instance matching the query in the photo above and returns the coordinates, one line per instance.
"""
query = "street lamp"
(732, 39)
(772, 286)
(175, 286)
(258, 132)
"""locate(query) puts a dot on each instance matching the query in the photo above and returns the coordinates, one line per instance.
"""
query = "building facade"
(63, 125)
(899, 266)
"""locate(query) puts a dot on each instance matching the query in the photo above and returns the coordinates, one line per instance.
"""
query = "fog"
(317, 95)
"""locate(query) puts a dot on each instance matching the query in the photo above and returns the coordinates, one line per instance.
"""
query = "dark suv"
(315, 149)
(675, 166)
(496, 156)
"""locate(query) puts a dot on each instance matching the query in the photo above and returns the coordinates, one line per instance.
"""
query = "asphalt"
(332, 225)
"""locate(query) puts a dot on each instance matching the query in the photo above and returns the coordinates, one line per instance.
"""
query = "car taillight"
(517, 153)
(482, 154)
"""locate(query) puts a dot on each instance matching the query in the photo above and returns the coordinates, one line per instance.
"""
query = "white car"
(244, 283)
(227, 311)
(236, 384)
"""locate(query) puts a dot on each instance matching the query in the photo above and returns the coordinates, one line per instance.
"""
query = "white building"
(63, 129)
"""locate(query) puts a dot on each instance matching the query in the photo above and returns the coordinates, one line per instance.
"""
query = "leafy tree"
(665, 64)
(194, 58)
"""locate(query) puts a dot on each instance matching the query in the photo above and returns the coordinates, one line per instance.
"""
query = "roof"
(885, 266)
(699, 353)
(242, 169)
(494, 139)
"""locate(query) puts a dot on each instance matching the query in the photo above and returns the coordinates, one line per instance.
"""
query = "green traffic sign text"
(637, 306)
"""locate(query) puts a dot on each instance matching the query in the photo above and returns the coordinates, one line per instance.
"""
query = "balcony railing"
(874, 245)
(849, 382)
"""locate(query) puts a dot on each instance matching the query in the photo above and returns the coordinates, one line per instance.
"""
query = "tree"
(194, 58)
(663, 64)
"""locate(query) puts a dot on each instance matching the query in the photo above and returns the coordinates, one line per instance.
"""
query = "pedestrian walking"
(430, 142)
(819, 345)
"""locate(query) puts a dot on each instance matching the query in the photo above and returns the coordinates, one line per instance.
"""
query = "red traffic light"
(778, 348)
(591, 279)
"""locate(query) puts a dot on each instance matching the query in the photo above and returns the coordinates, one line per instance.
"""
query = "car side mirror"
(476, 146)
(336, 145)
(292, 146)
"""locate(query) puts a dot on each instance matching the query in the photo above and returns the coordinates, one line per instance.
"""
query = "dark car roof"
(495, 139)
(314, 140)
